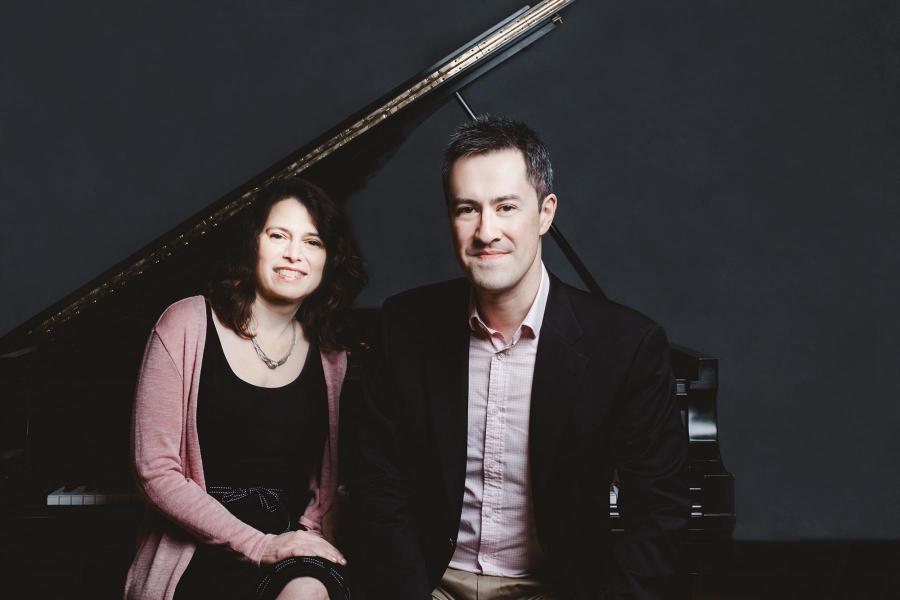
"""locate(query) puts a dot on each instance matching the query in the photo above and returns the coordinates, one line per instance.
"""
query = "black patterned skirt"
(214, 573)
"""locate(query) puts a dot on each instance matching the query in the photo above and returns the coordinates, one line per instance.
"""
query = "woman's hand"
(300, 543)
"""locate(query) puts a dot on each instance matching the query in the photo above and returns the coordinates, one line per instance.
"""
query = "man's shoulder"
(426, 314)
(600, 314)
(431, 298)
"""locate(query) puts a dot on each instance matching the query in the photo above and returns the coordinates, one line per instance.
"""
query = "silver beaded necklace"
(274, 364)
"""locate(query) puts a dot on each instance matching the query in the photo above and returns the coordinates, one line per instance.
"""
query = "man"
(500, 404)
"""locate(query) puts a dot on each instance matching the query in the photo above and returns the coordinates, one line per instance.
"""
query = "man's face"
(496, 220)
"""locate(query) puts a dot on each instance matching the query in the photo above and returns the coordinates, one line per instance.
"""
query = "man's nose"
(488, 231)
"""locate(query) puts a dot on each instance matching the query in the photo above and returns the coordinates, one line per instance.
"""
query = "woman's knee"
(304, 588)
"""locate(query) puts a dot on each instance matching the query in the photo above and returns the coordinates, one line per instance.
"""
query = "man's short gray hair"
(488, 133)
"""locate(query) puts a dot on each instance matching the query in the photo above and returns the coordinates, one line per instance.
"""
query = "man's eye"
(507, 208)
(464, 210)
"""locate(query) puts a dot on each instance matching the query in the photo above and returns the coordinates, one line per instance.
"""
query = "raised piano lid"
(363, 139)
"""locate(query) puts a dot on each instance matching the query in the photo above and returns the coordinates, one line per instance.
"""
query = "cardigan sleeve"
(157, 426)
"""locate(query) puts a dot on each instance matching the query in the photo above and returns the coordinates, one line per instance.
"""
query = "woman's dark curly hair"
(324, 312)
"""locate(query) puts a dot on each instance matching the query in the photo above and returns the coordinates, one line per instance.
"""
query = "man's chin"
(489, 282)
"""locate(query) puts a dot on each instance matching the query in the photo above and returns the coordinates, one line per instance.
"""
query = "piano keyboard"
(84, 496)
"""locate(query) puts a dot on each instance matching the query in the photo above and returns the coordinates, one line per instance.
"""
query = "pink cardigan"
(168, 465)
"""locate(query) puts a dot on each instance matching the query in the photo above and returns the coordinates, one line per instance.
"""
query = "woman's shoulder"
(187, 314)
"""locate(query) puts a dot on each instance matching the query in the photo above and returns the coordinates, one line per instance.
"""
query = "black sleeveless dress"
(258, 447)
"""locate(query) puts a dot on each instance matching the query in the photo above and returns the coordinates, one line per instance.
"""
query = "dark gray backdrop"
(731, 168)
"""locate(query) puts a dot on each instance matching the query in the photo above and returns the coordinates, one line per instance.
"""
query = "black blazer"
(602, 398)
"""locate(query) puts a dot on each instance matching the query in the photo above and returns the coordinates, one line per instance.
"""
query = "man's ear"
(548, 211)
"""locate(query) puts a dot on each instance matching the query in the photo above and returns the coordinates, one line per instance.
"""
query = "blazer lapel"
(558, 371)
(446, 368)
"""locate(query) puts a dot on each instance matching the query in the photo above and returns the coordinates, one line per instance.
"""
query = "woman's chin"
(283, 297)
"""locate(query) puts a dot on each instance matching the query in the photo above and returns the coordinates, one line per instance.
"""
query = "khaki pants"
(462, 585)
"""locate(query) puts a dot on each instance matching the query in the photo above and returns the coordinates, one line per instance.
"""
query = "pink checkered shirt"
(496, 531)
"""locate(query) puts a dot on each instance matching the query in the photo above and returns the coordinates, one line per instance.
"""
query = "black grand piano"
(67, 374)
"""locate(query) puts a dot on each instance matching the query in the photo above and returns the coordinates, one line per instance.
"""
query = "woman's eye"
(277, 236)
(314, 242)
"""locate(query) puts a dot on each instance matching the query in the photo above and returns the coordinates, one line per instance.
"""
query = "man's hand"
(300, 543)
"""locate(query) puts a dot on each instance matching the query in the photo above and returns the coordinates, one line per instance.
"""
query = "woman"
(236, 410)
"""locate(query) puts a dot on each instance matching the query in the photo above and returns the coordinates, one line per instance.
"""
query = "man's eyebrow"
(499, 199)
(491, 201)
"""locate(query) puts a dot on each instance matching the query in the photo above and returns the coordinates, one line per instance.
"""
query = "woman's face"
(291, 255)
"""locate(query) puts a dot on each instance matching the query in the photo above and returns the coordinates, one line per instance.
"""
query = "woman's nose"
(294, 251)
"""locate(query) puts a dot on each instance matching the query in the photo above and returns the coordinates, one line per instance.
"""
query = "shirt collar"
(533, 319)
